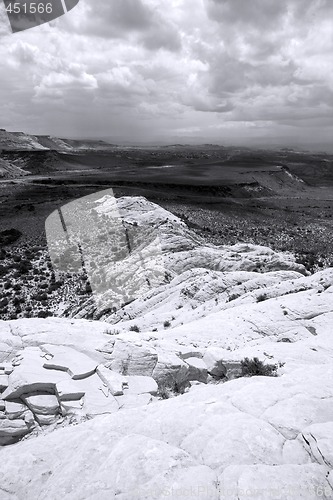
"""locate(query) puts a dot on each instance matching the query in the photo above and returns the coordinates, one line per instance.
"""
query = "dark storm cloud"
(162, 68)
(131, 20)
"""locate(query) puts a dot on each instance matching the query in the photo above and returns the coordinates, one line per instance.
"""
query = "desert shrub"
(40, 297)
(254, 367)
(16, 301)
(44, 314)
(134, 328)
(111, 331)
(170, 388)
(262, 297)
(9, 236)
(233, 296)
(3, 302)
(166, 324)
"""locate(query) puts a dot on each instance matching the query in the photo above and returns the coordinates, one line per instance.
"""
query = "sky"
(250, 72)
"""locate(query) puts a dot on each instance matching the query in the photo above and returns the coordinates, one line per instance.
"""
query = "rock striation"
(162, 409)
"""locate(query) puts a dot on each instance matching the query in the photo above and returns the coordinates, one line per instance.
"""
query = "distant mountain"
(20, 141)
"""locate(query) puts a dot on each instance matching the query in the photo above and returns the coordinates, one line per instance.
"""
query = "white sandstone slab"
(76, 364)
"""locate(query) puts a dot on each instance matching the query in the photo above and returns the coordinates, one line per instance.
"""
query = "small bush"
(134, 328)
(261, 297)
(111, 331)
(233, 296)
(169, 389)
(166, 324)
(254, 367)
(44, 314)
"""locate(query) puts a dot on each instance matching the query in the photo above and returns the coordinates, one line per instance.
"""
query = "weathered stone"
(134, 400)
(213, 359)
(170, 370)
(30, 376)
(73, 407)
(3, 382)
(46, 419)
(189, 352)
(97, 398)
(68, 390)
(133, 358)
(113, 380)
(317, 439)
(197, 369)
(139, 384)
(15, 409)
(233, 368)
(76, 364)
(7, 368)
(96, 401)
(42, 404)
(306, 481)
(12, 430)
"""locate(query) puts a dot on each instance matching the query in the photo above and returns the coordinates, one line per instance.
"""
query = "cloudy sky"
(226, 71)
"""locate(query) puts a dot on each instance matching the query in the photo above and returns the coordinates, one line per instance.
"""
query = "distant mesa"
(20, 141)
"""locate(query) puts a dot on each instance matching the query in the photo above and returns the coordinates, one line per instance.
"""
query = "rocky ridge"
(222, 436)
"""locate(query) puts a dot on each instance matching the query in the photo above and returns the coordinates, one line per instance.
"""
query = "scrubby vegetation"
(30, 288)
(254, 367)
(9, 236)
(169, 388)
(261, 297)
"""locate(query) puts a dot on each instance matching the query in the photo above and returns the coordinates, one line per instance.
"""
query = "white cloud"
(149, 68)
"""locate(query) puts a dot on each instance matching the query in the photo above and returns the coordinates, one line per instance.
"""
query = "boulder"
(170, 370)
(42, 404)
(233, 368)
(15, 409)
(30, 376)
(133, 358)
(74, 407)
(68, 390)
(7, 368)
(69, 360)
(197, 369)
(12, 430)
(213, 359)
(3, 382)
(97, 398)
(113, 380)
(139, 384)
